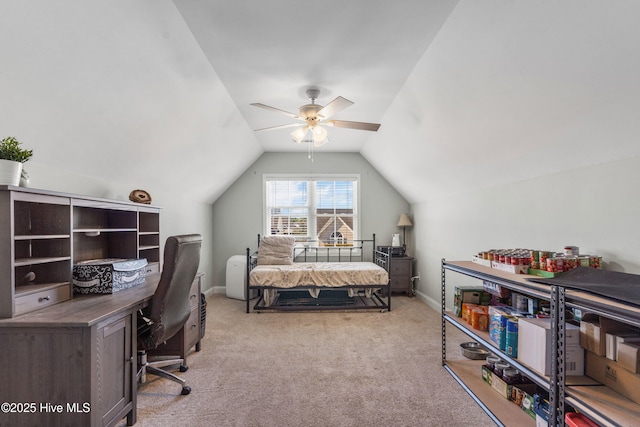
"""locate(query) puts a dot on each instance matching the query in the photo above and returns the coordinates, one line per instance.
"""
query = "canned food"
(543, 256)
(555, 264)
(535, 256)
(570, 263)
(571, 250)
(583, 260)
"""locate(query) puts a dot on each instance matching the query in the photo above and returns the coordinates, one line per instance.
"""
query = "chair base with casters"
(145, 367)
(169, 307)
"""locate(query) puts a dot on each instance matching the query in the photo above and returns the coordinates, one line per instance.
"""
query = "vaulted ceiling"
(470, 94)
(273, 51)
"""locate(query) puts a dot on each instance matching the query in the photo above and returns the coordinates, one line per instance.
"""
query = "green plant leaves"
(10, 150)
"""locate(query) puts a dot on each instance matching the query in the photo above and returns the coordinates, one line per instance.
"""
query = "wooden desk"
(73, 363)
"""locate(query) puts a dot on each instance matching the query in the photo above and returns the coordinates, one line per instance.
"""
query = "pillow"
(276, 250)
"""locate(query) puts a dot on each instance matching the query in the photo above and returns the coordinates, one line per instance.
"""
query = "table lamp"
(404, 222)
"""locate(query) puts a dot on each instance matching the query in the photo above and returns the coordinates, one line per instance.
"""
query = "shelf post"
(557, 386)
(443, 308)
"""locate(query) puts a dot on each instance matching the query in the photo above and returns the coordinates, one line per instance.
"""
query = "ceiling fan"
(314, 115)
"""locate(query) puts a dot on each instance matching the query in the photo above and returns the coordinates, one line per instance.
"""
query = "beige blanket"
(323, 274)
(320, 274)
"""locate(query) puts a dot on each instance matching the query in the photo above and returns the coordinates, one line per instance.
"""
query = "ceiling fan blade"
(353, 125)
(334, 107)
(266, 107)
(278, 127)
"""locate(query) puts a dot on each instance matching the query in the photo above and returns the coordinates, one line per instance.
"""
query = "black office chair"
(169, 307)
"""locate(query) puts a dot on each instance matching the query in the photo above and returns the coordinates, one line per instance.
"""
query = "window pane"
(334, 209)
(321, 211)
(287, 207)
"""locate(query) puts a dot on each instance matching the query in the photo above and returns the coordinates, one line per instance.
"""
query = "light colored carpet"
(314, 369)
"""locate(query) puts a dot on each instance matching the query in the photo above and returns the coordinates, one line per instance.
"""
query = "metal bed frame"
(378, 301)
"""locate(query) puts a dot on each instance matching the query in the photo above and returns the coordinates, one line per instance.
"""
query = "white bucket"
(10, 172)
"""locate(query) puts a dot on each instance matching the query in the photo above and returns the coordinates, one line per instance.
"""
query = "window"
(321, 210)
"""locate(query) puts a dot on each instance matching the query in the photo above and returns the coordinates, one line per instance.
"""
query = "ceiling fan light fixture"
(319, 135)
(313, 114)
(299, 134)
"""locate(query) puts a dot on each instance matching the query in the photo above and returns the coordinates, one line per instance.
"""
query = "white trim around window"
(317, 209)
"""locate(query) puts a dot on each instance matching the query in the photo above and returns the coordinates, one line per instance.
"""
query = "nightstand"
(401, 273)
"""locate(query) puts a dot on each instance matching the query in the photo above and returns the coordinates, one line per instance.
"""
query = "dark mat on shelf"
(623, 287)
(325, 298)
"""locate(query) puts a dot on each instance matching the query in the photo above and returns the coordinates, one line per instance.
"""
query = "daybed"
(287, 276)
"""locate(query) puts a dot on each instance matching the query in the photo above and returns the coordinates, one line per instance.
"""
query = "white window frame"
(310, 239)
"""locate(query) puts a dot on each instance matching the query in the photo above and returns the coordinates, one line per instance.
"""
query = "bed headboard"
(362, 250)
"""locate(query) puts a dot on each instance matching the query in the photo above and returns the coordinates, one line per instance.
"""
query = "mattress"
(321, 274)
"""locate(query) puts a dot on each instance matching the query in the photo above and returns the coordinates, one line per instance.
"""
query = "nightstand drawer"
(400, 283)
(400, 267)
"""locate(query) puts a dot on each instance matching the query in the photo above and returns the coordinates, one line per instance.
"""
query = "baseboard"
(215, 290)
(429, 301)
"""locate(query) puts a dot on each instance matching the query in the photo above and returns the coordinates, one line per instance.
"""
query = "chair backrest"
(170, 306)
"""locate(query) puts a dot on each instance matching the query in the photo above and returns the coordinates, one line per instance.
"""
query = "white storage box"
(535, 347)
(106, 276)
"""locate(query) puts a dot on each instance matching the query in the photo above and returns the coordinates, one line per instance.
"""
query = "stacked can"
(534, 259)
(512, 337)
(555, 264)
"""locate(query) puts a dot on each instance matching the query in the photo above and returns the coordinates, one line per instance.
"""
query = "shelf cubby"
(43, 233)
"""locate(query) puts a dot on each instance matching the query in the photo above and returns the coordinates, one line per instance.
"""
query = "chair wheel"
(186, 390)
(184, 368)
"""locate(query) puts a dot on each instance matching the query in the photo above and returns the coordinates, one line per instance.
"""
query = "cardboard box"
(542, 411)
(535, 346)
(481, 261)
(590, 334)
(498, 317)
(515, 269)
(614, 339)
(508, 391)
(629, 356)
(614, 376)
(470, 295)
(496, 289)
(106, 276)
(594, 330)
(527, 405)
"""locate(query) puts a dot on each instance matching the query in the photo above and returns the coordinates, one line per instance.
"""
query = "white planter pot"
(10, 172)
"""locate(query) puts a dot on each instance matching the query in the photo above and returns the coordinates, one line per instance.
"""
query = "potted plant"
(11, 159)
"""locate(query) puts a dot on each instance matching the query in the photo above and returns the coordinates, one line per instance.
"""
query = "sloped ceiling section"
(511, 91)
(120, 93)
(272, 51)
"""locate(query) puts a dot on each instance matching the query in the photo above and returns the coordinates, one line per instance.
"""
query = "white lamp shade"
(319, 135)
(299, 134)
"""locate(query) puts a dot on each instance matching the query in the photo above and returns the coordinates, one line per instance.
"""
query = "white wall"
(237, 214)
(114, 96)
(594, 208)
(523, 122)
